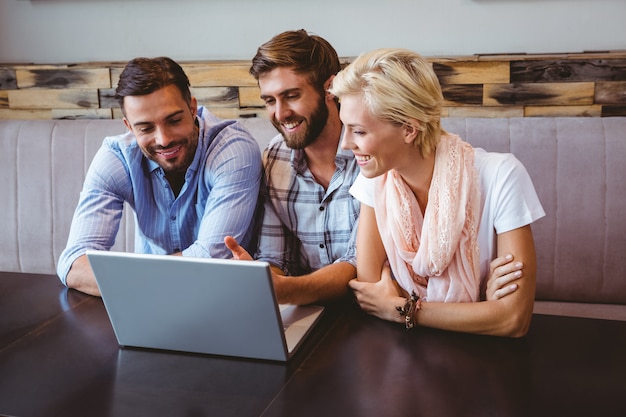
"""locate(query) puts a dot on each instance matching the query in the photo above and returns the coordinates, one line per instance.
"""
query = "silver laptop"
(199, 305)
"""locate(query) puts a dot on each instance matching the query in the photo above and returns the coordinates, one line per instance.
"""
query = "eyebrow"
(168, 117)
(354, 125)
(282, 93)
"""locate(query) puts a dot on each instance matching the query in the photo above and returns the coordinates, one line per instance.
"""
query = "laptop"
(199, 305)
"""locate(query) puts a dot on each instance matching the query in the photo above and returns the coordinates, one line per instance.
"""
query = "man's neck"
(176, 181)
(320, 155)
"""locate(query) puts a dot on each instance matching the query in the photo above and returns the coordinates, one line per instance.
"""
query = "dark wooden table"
(59, 357)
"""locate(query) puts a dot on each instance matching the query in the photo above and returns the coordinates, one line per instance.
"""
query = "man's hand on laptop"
(239, 253)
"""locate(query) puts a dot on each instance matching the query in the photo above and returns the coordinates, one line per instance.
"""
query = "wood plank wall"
(581, 84)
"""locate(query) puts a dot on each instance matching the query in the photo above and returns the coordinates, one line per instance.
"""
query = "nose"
(282, 111)
(346, 143)
(162, 137)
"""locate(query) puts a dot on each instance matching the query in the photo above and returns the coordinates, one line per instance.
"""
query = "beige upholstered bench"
(577, 165)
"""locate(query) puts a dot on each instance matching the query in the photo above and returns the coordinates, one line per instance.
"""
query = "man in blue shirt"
(308, 233)
(190, 177)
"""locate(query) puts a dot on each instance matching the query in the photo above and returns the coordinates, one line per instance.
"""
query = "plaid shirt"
(304, 226)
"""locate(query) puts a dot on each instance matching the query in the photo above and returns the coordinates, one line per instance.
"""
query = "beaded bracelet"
(411, 305)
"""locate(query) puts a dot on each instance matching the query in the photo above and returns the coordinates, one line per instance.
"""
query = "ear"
(193, 106)
(411, 130)
(327, 84)
(127, 124)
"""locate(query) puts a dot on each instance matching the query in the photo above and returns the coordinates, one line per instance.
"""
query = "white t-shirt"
(508, 199)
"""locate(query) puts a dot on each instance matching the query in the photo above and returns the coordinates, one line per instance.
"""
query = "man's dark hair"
(143, 76)
(310, 55)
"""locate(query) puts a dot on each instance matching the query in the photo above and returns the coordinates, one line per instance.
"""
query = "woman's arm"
(371, 254)
(508, 315)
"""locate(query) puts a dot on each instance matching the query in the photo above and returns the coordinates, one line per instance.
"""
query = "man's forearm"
(80, 277)
(325, 284)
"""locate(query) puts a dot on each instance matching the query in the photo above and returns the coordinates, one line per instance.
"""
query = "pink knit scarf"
(436, 254)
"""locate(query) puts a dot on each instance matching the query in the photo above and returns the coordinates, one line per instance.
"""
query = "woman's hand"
(379, 298)
(502, 272)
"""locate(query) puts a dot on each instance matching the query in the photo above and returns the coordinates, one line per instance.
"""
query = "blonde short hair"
(398, 86)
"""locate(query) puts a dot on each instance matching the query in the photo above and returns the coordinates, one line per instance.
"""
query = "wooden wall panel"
(115, 75)
(611, 93)
(612, 111)
(232, 112)
(250, 97)
(82, 114)
(463, 94)
(106, 98)
(216, 96)
(594, 110)
(26, 114)
(53, 99)
(555, 94)
(568, 70)
(219, 74)
(485, 111)
(469, 72)
(7, 79)
(63, 78)
(517, 85)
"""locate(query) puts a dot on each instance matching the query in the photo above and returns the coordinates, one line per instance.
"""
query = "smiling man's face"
(295, 107)
(164, 125)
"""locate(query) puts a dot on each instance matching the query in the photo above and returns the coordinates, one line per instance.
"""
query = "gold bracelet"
(411, 305)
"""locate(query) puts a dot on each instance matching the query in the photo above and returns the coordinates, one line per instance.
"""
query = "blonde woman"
(438, 217)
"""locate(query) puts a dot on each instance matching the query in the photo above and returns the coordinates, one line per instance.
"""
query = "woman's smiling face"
(377, 144)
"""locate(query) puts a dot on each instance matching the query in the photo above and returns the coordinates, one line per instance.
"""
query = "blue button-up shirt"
(218, 198)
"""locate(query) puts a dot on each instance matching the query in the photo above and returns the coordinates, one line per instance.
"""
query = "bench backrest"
(577, 166)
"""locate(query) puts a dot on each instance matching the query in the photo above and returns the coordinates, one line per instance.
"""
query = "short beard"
(191, 144)
(317, 123)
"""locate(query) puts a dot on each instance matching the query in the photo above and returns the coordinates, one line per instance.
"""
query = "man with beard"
(310, 219)
(190, 177)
